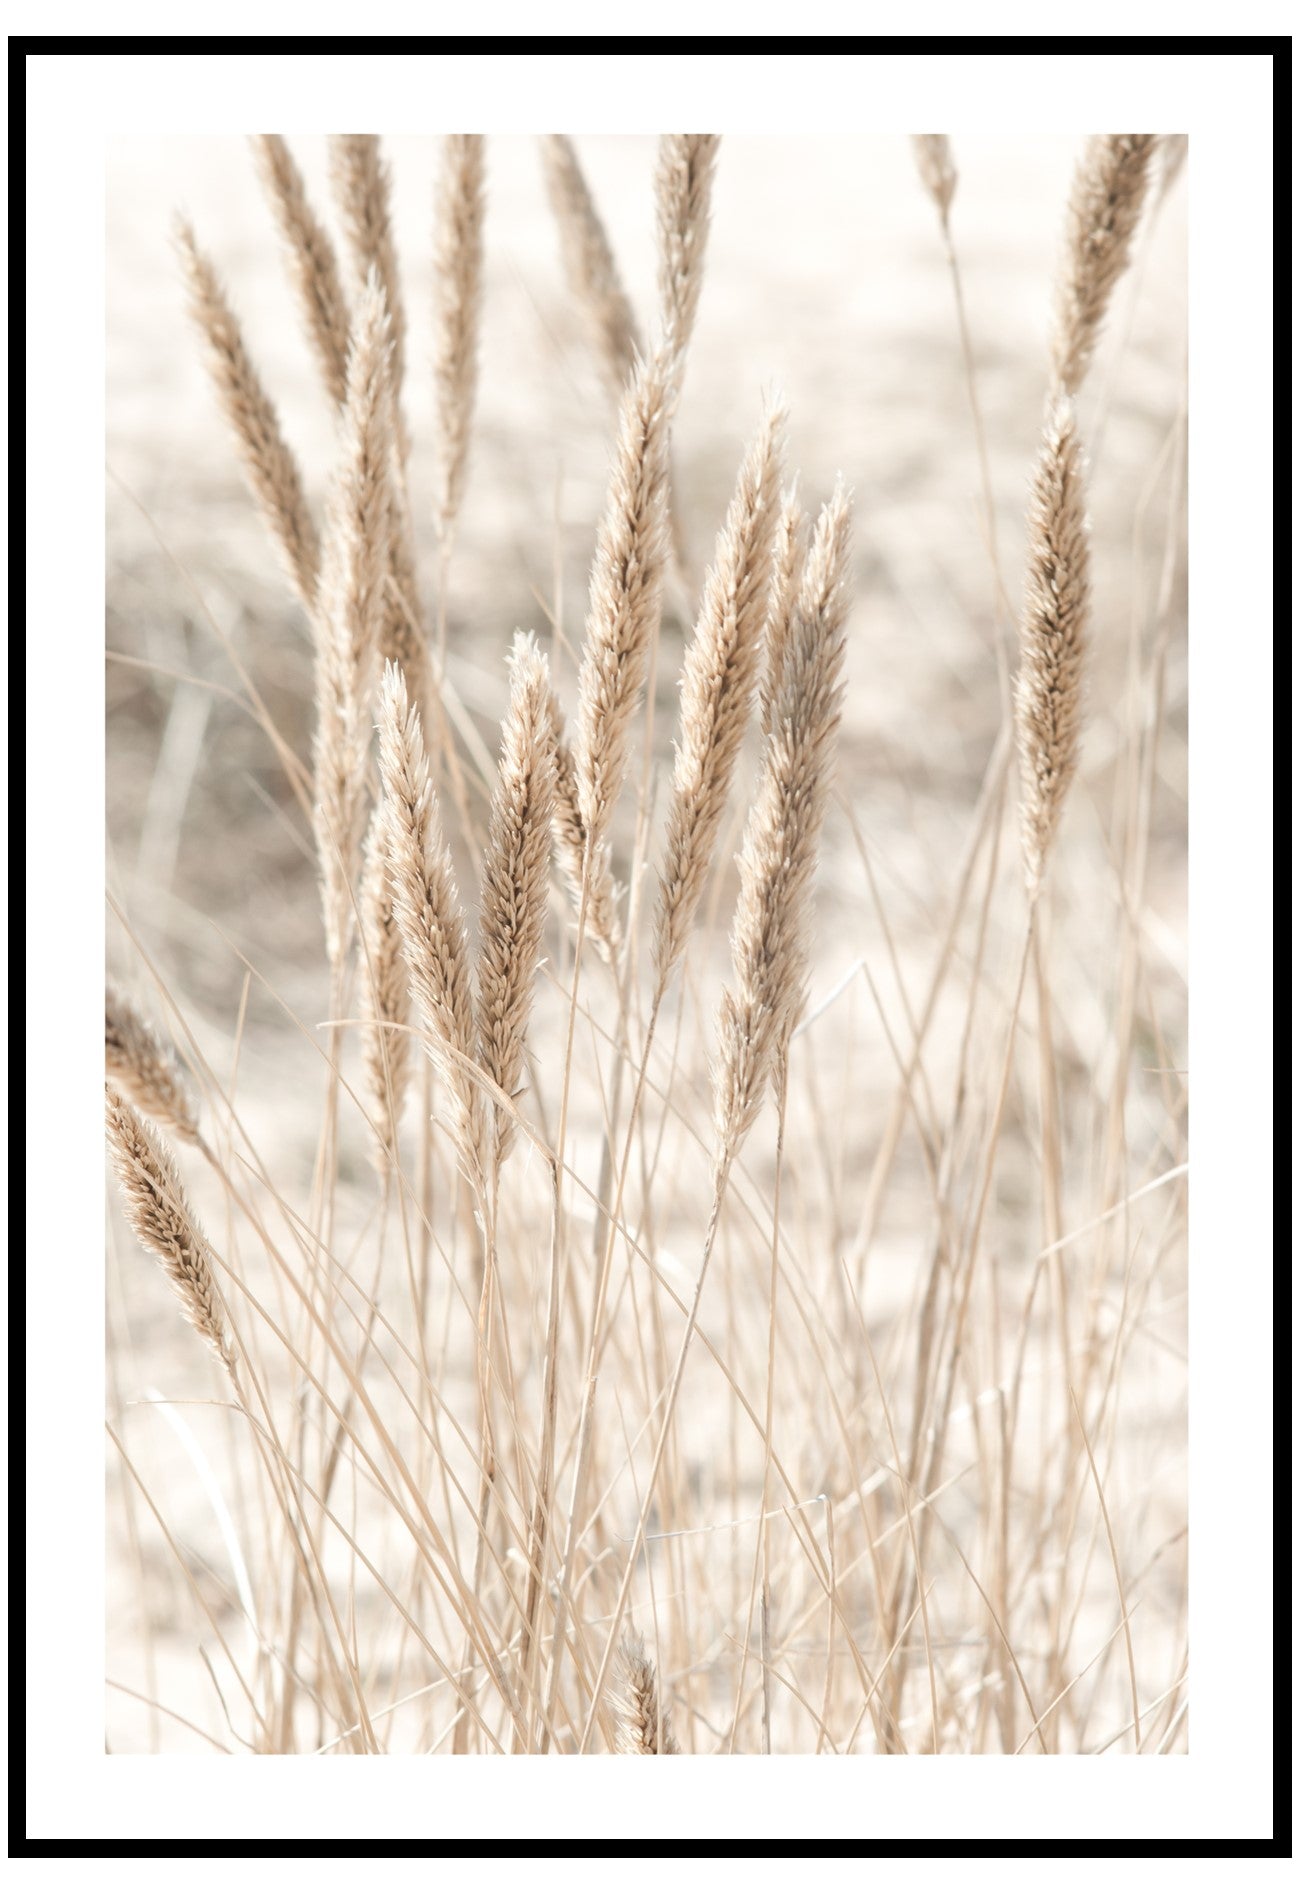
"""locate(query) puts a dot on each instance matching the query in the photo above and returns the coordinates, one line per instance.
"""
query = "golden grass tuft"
(313, 264)
(142, 1068)
(516, 873)
(164, 1223)
(1109, 189)
(385, 998)
(788, 556)
(1052, 639)
(717, 682)
(458, 284)
(269, 463)
(570, 840)
(643, 1725)
(622, 619)
(589, 266)
(429, 917)
(350, 617)
(363, 192)
(683, 193)
(769, 938)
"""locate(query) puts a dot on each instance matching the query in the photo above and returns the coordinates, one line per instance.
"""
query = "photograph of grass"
(646, 1019)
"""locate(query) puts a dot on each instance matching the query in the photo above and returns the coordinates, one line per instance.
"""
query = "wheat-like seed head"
(403, 639)
(516, 878)
(937, 171)
(363, 191)
(718, 675)
(683, 189)
(1109, 188)
(570, 838)
(643, 1725)
(351, 613)
(427, 910)
(626, 597)
(144, 1069)
(589, 265)
(788, 557)
(385, 997)
(1052, 638)
(458, 260)
(269, 464)
(158, 1211)
(769, 938)
(312, 262)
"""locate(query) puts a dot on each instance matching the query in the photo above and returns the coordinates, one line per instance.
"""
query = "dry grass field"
(667, 1137)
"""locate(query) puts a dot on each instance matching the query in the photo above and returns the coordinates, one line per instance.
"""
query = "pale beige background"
(826, 280)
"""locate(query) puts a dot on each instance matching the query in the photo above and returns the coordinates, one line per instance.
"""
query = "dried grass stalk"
(626, 596)
(1109, 188)
(385, 1000)
(516, 877)
(427, 909)
(163, 1221)
(717, 681)
(1049, 686)
(683, 189)
(144, 1069)
(589, 265)
(769, 939)
(269, 464)
(458, 260)
(788, 559)
(312, 262)
(642, 1720)
(570, 837)
(357, 556)
(937, 171)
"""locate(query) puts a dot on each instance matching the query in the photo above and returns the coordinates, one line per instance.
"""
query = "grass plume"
(683, 192)
(643, 1725)
(1109, 189)
(626, 597)
(269, 463)
(717, 682)
(571, 845)
(357, 555)
(769, 938)
(429, 917)
(363, 191)
(312, 262)
(386, 996)
(1052, 638)
(788, 556)
(142, 1068)
(516, 872)
(590, 267)
(163, 1221)
(458, 286)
